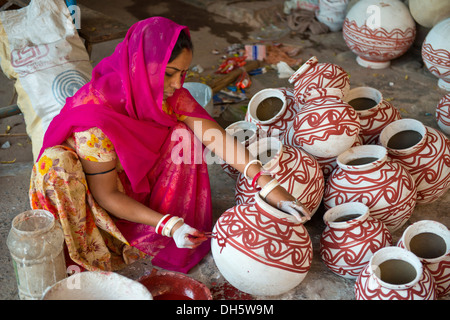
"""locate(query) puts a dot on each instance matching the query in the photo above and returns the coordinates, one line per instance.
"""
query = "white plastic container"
(36, 246)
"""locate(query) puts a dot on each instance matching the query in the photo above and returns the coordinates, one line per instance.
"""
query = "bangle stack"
(272, 184)
(166, 224)
(248, 165)
(259, 174)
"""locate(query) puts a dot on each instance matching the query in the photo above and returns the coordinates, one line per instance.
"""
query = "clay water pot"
(394, 273)
(169, 285)
(373, 110)
(272, 110)
(366, 174)
(350, 238)
(325, 126)
(246, 133)
(315, 75)
(261, 250)
(443, 114)
(378, 31)
(97, 285)
(424, 152)
(430, 242)
(436, 53)
(297, 171)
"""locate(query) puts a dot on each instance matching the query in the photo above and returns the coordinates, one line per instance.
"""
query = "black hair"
(183, 42)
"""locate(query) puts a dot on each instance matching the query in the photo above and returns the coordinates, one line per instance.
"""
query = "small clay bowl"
(168, 285)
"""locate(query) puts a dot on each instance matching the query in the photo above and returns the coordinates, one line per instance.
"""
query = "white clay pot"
(272, 110)
(297, 171)
(394, 273)
(374, 116)
(378, 31)
(365, 174)
(326, 126)
(429, 13)
(350, 238)
(261, 250)
(436, 53)
(314, 75)
(430, 242)
(426, 157)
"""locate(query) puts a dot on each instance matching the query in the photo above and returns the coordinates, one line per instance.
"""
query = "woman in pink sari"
(116, 168)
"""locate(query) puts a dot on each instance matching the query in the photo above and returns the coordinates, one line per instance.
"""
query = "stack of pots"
(327, 143)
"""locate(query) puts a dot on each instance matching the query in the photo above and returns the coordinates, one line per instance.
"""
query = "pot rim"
(242, 126)
(261, 96)
(262, 145)
(365, 92)
(397, 253)
(275, 212)
(358, 152)
(400, 125)
(423, 226)
(341, 210)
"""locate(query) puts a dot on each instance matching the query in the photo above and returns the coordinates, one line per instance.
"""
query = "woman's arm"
(103, 187)
(216, 139)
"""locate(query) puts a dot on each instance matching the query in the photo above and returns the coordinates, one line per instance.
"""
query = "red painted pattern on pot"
(326, 126)
(374, 283)
(298, 172)
(314, 75)
(374, 119)
(350, 238)
(443, 114)
(436, 53)
(385, 186)
(261, 250)
(428, 160)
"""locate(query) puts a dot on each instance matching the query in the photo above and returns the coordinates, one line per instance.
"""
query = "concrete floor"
(416, 96)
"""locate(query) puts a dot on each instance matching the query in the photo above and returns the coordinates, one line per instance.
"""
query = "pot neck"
(273, 213)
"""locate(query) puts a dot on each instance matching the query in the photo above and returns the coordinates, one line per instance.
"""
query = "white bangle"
(272, 184)
(170, 224)
(162, 220)
(248, 165)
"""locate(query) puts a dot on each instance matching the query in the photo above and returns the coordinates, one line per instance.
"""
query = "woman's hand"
(283, 200)
(187, 237)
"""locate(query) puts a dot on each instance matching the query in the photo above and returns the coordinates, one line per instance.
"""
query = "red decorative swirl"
(298, 172)
(389, 191)
(347, 251)
(429, 165)
(264, 238)
(367, 287)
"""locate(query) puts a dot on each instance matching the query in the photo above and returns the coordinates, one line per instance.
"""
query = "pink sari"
(124, 99)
